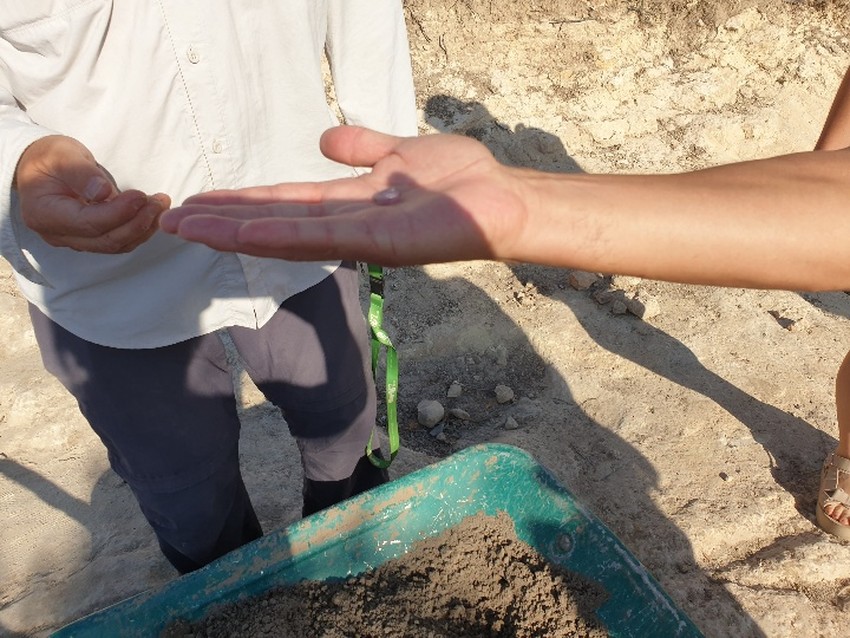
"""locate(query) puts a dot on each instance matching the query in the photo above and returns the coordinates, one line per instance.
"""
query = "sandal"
(830, 492)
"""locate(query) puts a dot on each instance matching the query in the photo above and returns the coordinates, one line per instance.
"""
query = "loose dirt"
(475, 580)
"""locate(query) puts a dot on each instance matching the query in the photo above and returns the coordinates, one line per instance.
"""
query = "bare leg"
(836, 510)
(842, 405)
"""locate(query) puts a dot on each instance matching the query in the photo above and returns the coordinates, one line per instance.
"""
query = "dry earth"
(474, 580)
(695, 434)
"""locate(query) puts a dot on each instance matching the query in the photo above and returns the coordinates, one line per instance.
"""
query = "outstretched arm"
(773, 223)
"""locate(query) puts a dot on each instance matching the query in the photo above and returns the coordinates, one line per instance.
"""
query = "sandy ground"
(695, 434)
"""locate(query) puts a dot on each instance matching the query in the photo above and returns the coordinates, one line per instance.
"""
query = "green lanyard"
(381, 338)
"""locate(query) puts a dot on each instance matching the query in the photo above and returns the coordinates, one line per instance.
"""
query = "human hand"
(70, 201)
(455, 202)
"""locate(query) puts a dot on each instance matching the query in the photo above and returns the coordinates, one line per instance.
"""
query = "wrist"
(522, 206)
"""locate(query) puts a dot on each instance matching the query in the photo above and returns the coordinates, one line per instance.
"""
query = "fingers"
(294, 192)
(173, 219)
(117, 226)
(298, 239)
(306, 199)
(259, 195)
(357, 146)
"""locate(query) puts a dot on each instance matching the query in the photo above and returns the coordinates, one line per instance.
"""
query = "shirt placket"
(239, 277)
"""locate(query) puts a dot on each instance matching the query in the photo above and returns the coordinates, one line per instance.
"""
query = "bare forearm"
(774, 223)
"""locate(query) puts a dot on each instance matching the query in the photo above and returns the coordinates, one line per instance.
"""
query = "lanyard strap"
(381, 338)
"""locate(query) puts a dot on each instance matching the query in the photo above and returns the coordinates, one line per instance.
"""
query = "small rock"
(457, 413)
(504, 394)
(526, 410)
(581, 280)
(603, 296)
(430, 412)
(455, 390)
(501, 355)
(625, 281)
(618, 307)
(643, 306)
(437, 431)
(511, 424)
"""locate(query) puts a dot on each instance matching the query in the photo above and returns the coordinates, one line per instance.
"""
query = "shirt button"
(217, 146)
(193, 55)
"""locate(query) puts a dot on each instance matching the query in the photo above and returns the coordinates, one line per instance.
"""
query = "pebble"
(458, 413)
(603, 296)
(581, 280)
(625, 281)
(619, 307)
(455, 390)
(387, 196)
(430, 412)
(643, 306)
(526, 410)
(511, 424)
(504, 394)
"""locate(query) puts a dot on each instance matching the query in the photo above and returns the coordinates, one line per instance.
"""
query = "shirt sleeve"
(369, 57)
(17, 132)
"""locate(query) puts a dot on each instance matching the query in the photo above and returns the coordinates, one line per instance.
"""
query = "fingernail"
(95, 189)
(163, 200)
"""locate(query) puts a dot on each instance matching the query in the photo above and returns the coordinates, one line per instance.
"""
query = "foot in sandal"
(833, 513)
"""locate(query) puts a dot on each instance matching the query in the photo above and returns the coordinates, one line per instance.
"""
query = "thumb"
(97, 186)
(356, 146)
(59, 161)
(80, 172)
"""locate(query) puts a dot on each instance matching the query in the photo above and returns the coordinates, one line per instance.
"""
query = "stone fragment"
(429, 412)
(644, 306)
(458, 413)
(581, 280)
(603, 296)
(437, 430)
(625, 281)
(455, 390)
(504, 394)
(511, 424)
(526, 411)
(618, 307)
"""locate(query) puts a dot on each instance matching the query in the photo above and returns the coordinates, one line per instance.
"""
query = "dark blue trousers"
(168, 419)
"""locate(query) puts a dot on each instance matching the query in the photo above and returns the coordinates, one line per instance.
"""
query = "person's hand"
(70, 201)
(454, 202)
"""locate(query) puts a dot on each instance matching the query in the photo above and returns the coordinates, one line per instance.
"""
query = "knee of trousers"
(332, 442)
(196, 520)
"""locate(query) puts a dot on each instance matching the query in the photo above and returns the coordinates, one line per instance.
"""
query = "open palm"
(448, 208)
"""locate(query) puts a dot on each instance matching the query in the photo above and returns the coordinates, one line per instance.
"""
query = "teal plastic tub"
(366, 531)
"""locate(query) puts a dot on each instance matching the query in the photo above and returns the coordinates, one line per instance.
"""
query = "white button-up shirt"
(184, 96)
